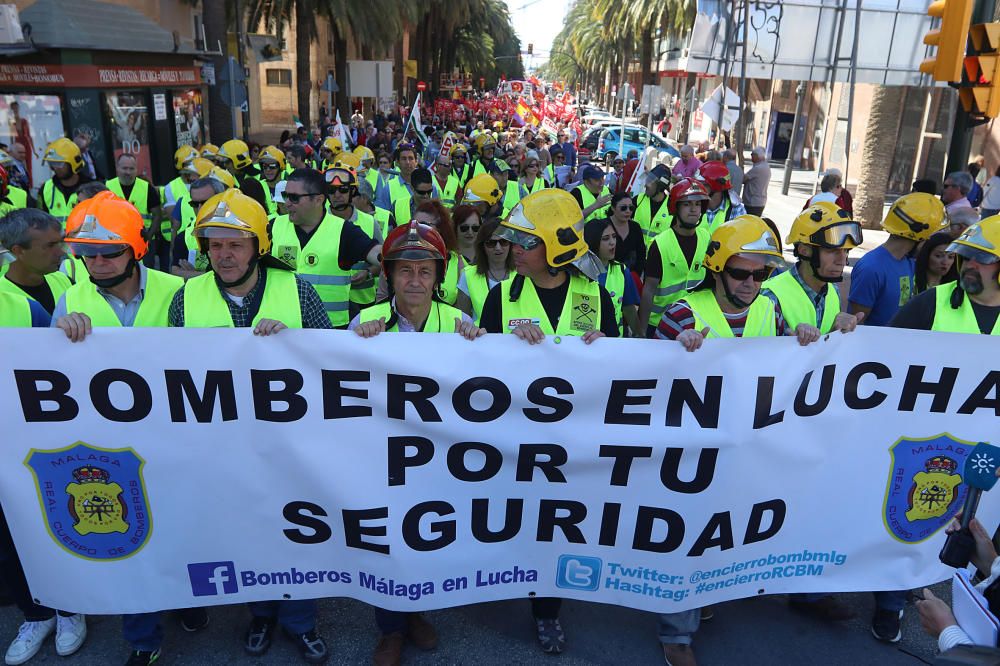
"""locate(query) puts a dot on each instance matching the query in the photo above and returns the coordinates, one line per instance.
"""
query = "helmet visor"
(518, 237)
(209, 231)
(973, 253)
(97, 249)
(770, 260)
(837, 235)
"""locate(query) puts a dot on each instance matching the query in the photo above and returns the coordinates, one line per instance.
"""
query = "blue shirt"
(570, 150)
(39, 317)
(883, 283)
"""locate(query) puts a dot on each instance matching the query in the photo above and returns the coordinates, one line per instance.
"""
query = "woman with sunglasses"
(531, 180)
(631, 247)
(602, 238)
(493, 264)
(467, 224)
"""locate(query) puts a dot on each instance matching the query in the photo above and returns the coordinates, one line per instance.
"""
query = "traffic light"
(531, 48)
(950, 39)
(982, 71)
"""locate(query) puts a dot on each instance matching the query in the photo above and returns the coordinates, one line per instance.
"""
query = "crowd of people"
(470, 234)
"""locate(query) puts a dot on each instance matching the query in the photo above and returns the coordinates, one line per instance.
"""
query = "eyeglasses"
(533, 165)
(741, 274)
(109, 255)
(468, 227)
(497, 242)
(342, 189)
(268, 166)
(626, 209)
(442, 164)
(423, 193)
(295, 198)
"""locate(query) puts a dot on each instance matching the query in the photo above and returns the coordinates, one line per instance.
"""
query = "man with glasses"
(420, 189)
(954, 193)
(108, 233)
(882, 280)
(272, 172)
(342, 190)
(448, 184)
(321, 247)
(569, 150)
(460, 164)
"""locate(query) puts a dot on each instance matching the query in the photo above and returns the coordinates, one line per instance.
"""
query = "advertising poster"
(128, 113)
(187, 117)
(31, 121)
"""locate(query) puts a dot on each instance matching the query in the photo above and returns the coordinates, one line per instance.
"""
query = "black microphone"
(980, 474)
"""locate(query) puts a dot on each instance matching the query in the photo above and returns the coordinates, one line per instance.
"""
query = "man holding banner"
(556, 293)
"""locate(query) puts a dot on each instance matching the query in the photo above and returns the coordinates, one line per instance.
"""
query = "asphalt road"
(749, 631)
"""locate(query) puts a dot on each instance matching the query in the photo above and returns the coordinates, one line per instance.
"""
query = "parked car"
(588, 144)
(635, 139)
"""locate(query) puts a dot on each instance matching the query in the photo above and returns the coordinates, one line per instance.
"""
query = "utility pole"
(240, 38)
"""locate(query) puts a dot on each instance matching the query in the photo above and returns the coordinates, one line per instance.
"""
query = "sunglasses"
(741, 274)
(423, 193)
(197, 204)
(468, 227)
(295, 198)
(531, 166)
(340, 189)
(496, 242)
(626, 209)
(268, 166)
(107, 255)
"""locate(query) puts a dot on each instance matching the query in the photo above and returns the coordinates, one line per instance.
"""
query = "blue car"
(635, 139)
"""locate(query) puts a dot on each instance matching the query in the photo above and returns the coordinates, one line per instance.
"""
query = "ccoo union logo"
(925, 487)
(94, 500)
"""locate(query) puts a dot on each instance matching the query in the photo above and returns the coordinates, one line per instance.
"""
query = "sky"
(537, 22)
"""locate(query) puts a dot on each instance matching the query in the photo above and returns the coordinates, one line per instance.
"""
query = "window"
(279, 77)
(632, 136)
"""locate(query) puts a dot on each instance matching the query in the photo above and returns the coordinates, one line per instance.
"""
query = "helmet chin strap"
(108, 283)
(733, 298)
(814, 262)
(241, 279)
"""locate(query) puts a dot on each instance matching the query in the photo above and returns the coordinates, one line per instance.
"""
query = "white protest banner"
(426, 471)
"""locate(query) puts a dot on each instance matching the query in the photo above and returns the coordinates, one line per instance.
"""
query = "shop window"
(128, 115)
(188, 117)
(279, 77)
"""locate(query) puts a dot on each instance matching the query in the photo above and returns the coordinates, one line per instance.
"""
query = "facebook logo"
(209, 579)
(578, 572)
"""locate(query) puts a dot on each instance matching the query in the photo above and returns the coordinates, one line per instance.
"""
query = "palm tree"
(876, 159)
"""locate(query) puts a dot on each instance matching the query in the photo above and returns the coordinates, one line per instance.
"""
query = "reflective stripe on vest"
(581, 311)
(318, 263)
(797, 307)
(652, 226)
(760, 320)
(55, 203)
(15, 311)
(160, 289)
(615, 285)
(363, 293)
(588, 199)
(677, 278)
(206, 307)
(479, 288)
(440, 319)
(58, 284)
(956, 320)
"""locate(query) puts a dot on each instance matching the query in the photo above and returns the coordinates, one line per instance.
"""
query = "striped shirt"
(679, 318)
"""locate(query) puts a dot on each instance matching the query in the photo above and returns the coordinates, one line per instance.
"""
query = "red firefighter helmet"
(716, 176)
(686, 189)
(414, 242)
